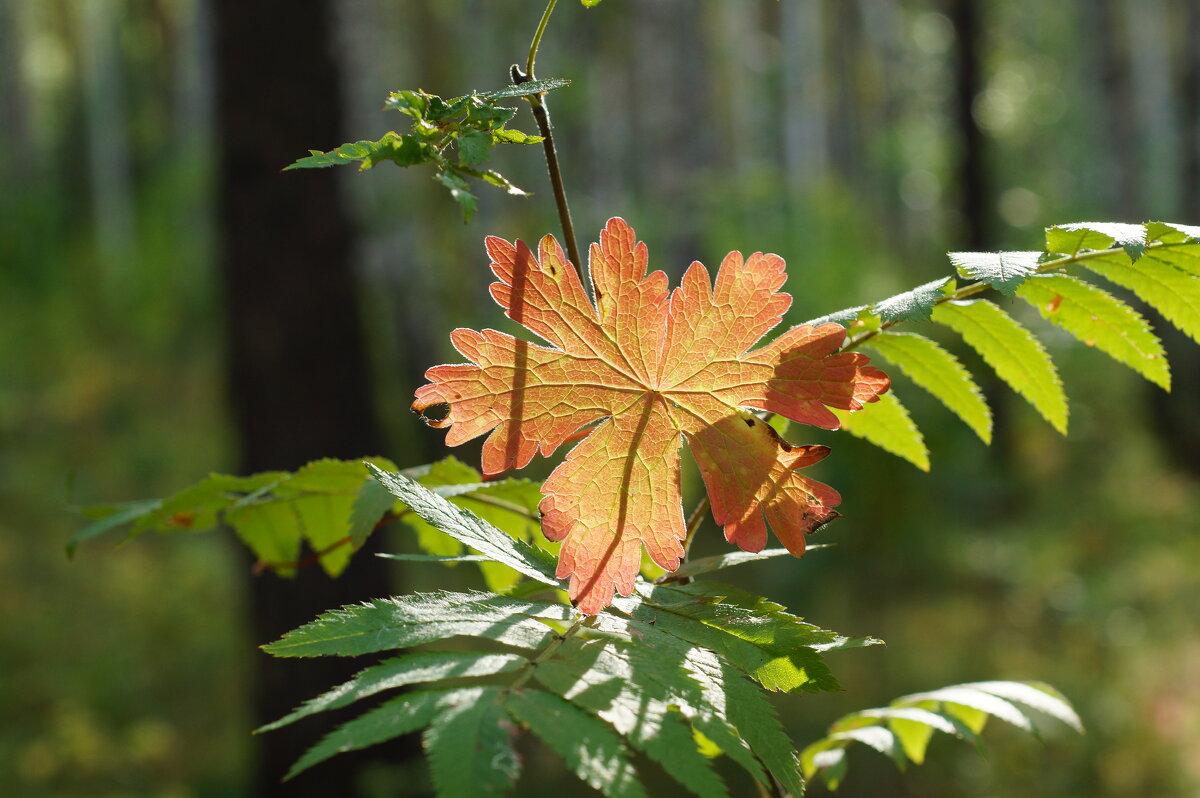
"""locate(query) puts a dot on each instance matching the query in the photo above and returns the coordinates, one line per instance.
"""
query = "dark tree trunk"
(974, 199)
(1175, 412)
(298, 373)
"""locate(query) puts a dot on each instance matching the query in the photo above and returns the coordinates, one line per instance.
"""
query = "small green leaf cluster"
(669, 673)
(1158, 263)
(333, 506)
(455, 136)
(902, 730)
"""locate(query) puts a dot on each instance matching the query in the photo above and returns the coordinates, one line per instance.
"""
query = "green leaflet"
(1012, 351)
(470, 529)
(1172, 292)
(1003, 271)
(717, 562)
(587, 745)
(1069, 239)
(939, 372)
(424, 666)
(387, 624)
(110, 517)
(902, 731)
(402, 715)
(470, 746)
(776, 648)
(888, 425)
(1178, 246)
(510, 505)
(1099, 319)
(474, 124)
(644, 697)
(914, 305)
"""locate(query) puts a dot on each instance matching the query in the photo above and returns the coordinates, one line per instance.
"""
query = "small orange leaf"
(648, 367)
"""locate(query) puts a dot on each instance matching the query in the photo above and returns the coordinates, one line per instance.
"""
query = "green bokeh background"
(823, 131)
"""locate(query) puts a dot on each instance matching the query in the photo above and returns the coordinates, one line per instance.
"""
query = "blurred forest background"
(153, 258)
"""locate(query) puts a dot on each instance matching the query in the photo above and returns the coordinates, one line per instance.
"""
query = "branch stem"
(541, 115)
(976, 288)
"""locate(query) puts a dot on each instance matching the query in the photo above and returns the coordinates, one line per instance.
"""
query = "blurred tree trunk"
(298, 375)
(1118, 109)
(1175, 413)
(974, 193)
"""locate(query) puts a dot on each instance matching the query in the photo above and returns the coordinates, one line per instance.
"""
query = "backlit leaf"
(888, 425)
(914, 305)
(1003, 271)
(1012, 351)
(1099, 319)
(1171, 291)
(587, 745)
(933, 368)
(648, 366)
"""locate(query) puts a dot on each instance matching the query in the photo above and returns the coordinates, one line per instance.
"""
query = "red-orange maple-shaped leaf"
(650, 365)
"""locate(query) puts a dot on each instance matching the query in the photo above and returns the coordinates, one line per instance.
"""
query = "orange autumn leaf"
(646, 366)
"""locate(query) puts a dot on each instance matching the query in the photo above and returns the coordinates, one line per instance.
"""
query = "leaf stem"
(979, 287)
(541, 115)
(693, 525)
(537, 38)
(547, 651)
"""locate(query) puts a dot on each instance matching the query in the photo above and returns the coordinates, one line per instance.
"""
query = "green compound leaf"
(394, 623)
(1099, 319)
(470, 529)
(1003, 271)
(917, 304)
(933, 368)
(421, 667)
(888, 425)
(470, 746)
(588, 746)
(1171, 291)
(1017, 357)
(903, 730)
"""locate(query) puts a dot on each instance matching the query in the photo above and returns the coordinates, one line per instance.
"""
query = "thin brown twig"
(541, 115)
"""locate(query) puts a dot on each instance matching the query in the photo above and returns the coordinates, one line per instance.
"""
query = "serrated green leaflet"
(634, 691)
(587, 745)
(777, 649)
(888, 425)
(1003, 271)
(843, 317)
(468, 528)
(527, 89)
(402, 715)
(425, 666)
(917, 304)
(1068, 239)
(902, 731)
(718, 562)
(933, 368)
(1011, 351)
(470, 746)
(1172, 292)
(1176, 246)
(1099, 319)
(372, 502)
(388, 624)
